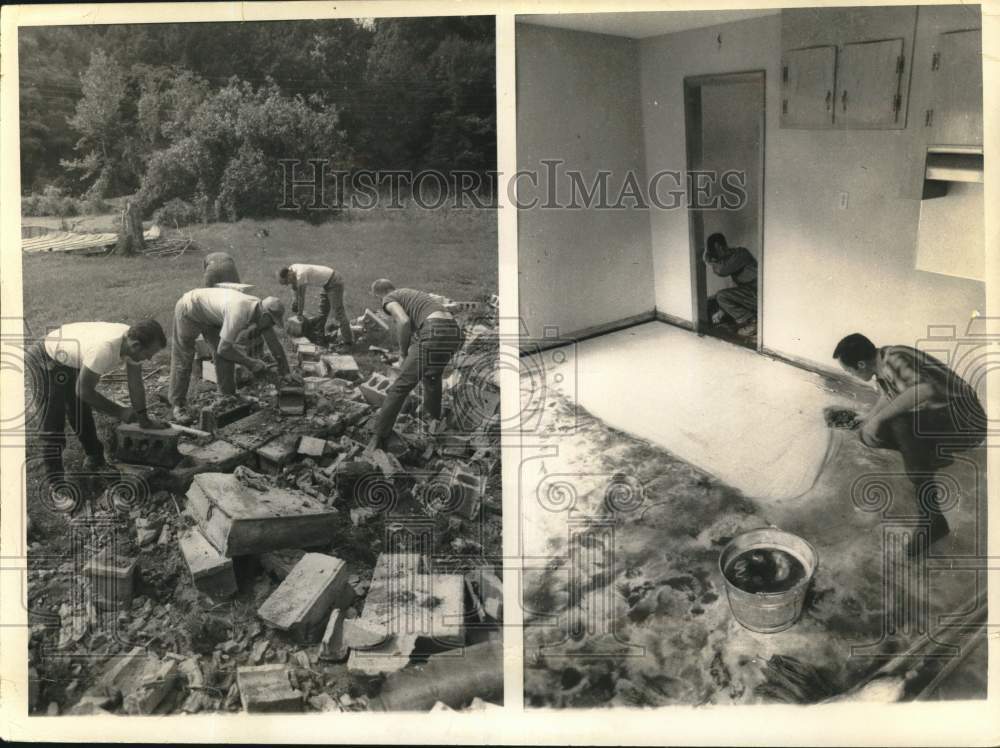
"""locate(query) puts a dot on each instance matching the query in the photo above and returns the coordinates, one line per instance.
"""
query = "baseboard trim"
(841, 380)
(675, 321)
(535, 345)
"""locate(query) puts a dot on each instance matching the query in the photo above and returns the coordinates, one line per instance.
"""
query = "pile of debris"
(270, 561)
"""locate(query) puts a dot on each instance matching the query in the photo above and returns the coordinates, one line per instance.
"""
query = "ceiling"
(643, 24)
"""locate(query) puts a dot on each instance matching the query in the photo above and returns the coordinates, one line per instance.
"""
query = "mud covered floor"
(624, 601)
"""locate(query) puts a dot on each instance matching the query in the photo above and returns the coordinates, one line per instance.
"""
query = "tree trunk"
(130, 238)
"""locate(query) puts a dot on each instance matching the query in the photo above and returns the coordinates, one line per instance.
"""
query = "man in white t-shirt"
(221, 315)
(69, 364)
(300, 276)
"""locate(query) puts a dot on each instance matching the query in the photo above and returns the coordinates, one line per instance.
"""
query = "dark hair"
(148, 332)
(854, 348)
(283, 273)
(715, 240)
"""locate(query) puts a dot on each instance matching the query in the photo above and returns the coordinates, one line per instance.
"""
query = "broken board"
(239, 520)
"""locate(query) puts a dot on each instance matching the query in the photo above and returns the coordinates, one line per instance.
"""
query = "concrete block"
(274, 455)
(300, 341)
(281, 563)
(375, 389)
(292, 400)
(211, 572)
(295, 326)
(111, 578)
(239, 520)
(467, 489)
(466, 307)
(362, 633)
(213, 418)
(124, 672)
(313, 369)
(208, 372)
(375, 319)
(202, 348)
(312, 446)
(302, 602)
(332, 645)
(147, 446)
(307, 352)
(241, 287)
(386, 462)
(267, 688)
(341, 366)
(159, 678)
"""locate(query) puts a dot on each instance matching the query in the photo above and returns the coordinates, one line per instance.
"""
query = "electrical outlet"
(843, 201)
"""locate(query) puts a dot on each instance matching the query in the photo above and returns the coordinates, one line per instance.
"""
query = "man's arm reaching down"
(86, 390)
(404, 328)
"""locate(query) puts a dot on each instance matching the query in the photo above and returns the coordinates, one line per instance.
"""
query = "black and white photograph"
(259, 348)
(752, 276)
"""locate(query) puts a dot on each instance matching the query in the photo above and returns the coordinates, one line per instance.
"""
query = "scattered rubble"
(269, 566)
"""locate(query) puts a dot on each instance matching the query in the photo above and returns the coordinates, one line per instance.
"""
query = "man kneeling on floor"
(69, 364)
(925, 411)
(300, 276)
(739, 301)
(221, 315)
(428, 337)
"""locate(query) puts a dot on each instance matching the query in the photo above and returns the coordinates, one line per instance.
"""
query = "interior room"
(677, 392)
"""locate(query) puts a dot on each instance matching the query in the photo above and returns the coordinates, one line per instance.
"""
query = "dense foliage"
(198, 116)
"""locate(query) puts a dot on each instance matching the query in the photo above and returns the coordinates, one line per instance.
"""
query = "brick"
(211, 572)
(303, 600)
(312, 446)
(147, 446)
(342, 366)
(375, 389)
(267, 688)
(292, 400)
(159, 678)
(274, 455)
(111, 578)
(375, 319)
(239, 520)
(332, 645)
(313, 369)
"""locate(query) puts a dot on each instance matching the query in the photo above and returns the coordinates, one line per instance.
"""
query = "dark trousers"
(332, 300)
(434, 344)
(56, 401)
(926, 439)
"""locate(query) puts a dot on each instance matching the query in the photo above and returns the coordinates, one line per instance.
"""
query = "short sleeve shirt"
(229, 310)
(899, 367)
(417, 304)
(310, 275)
(94, 345)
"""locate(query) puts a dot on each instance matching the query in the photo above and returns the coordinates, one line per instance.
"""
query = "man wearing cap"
(220, 267)
(300, 276)
(428, 337)
(221, 315)
(67, 367)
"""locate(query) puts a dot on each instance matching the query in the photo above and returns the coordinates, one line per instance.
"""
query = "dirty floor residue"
(624, 601)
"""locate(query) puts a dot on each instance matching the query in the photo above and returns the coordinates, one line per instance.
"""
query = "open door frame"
(693, 141)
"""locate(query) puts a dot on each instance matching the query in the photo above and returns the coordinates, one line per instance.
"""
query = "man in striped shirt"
(925, 411)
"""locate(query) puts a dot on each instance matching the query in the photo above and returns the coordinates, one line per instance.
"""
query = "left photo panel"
(260, 314)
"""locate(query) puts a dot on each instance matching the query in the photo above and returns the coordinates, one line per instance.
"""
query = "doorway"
(724, 126)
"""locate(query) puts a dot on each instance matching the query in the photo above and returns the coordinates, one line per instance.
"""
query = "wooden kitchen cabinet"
(807, 86)
(869, 82)
(956, 113)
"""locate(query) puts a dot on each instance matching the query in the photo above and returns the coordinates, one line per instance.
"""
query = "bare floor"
(625, 604)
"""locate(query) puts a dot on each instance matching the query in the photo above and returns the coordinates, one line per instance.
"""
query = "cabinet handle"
(829, 96)
(843, 101)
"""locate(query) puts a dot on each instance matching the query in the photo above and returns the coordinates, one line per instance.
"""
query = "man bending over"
(925, 411)
(331, 285)
(220, 315)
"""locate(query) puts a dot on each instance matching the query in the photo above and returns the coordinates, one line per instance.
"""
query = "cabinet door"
(868, 85)
(807, 78)
(957, 106)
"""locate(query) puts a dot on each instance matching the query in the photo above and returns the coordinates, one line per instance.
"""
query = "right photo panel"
(754, 356)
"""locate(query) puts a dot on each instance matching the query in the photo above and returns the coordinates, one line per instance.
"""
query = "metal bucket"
(769, 612)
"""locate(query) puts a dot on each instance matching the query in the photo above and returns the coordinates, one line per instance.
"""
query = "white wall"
(578, 100)
(826, 272)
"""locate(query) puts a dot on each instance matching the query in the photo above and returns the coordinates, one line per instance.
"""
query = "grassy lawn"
(449, 252)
